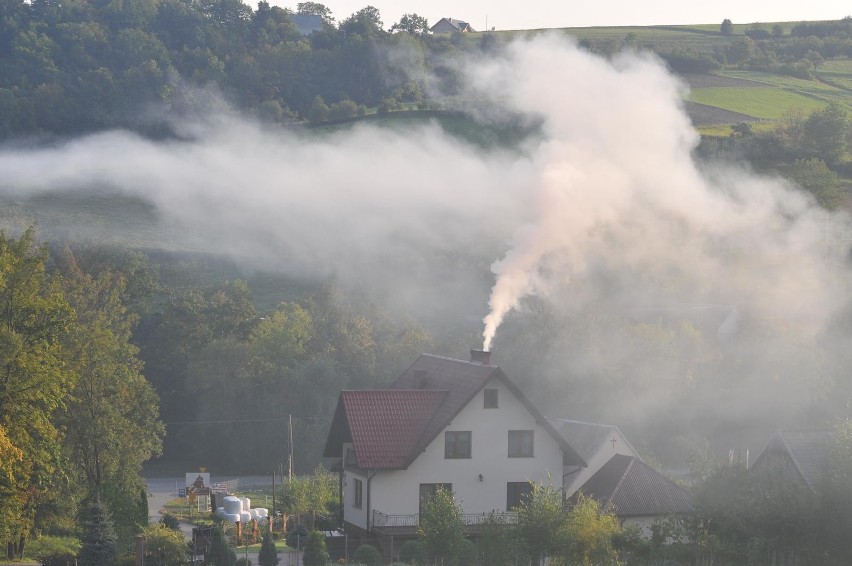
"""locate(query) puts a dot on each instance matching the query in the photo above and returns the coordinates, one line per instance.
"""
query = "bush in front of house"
(316, 553)
(368, 555)
(467, 553)
(413, 552)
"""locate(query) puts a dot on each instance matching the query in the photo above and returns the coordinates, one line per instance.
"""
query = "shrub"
(297, 537)
(467, 553)
(315, 551)
(243, 562)
(412, 552)
(57, 559)
(170, 521)
(367, 554)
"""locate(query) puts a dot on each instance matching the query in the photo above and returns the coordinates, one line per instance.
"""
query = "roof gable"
(463, 380)
(630, 488)
(808, 450)
(383, 426)
(588, 438)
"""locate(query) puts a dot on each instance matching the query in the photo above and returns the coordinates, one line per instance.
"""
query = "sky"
(506, 15)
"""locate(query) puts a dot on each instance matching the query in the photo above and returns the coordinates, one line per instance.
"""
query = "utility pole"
(290, 444)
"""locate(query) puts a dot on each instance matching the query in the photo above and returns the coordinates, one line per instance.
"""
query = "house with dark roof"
(636, 493)
(800, 455)
(451, 25)
(595, 443)
(444, 423)
(307, 23)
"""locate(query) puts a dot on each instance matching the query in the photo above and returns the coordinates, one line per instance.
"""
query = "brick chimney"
(480, 357)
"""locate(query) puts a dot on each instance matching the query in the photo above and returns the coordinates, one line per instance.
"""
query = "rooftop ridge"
(447, 359)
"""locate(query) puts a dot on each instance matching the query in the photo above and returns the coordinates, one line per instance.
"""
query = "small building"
(307, 23)
(595, 443)
(451, 25)
(800, 455)
(636, 494)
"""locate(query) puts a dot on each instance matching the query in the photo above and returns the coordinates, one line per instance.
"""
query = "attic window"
(490, 399)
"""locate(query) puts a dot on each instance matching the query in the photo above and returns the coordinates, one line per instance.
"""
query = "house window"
(457, 444)
(428, 491)
(350, 458)
(358, 488)
(520, 444)
(490, 399)
(517, 493)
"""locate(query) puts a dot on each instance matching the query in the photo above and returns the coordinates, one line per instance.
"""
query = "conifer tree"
(315, 551)
(268, 553)
(99, 542)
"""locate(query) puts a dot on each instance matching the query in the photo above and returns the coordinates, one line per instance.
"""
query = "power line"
(317, 418)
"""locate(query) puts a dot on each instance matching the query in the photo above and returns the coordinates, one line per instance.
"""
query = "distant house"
(636, 493)
(451, 25)
(307, 23)
(595, 443)
(445, 423)
(799, 454)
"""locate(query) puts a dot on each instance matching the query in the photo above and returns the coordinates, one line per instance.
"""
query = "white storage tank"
(246, 503)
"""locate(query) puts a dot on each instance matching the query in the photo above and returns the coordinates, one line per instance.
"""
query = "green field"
(837, 73)
(764, 103)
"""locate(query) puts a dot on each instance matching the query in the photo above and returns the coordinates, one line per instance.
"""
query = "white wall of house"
(605, 451)
(397, 492)
(352, 513)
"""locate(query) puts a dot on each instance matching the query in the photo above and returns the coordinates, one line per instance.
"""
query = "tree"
(366, 22)
(34, 319)
(441, 525)
(268, 555)
(496, 541)
(221, 552)
(368, 555)
(826, 133)
(315, 551)
(412, 23)
(727, 27)
(814, 176)
(589, 534)
(98, 546)
(541, 521)
(111, 416)
(319, 111)
(166, 545)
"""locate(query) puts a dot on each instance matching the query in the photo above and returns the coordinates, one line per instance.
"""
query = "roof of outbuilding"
(376, 415)
(630, 488)
(807, 448)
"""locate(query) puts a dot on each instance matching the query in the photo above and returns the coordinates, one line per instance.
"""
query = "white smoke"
(616, 183)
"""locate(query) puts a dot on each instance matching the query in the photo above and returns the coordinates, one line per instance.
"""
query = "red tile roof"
(385, 425)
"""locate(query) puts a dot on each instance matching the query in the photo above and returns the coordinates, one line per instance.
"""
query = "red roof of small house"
(389, 428)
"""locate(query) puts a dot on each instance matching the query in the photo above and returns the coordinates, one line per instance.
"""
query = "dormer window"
(490, 397)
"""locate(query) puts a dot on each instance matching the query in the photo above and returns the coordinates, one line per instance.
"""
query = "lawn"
(765, 103)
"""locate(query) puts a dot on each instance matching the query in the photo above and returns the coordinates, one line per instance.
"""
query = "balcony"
(407, 524)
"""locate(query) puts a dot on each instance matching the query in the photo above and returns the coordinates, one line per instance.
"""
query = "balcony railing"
(383, 520)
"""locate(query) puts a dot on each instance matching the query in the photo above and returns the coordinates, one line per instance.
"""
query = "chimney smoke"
(480, 357)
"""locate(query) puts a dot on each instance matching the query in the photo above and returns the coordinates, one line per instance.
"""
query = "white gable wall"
(397, 492)
(602, 455)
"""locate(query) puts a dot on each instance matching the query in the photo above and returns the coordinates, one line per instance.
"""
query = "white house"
(451, 25)
(463, 425)
(595, 443)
